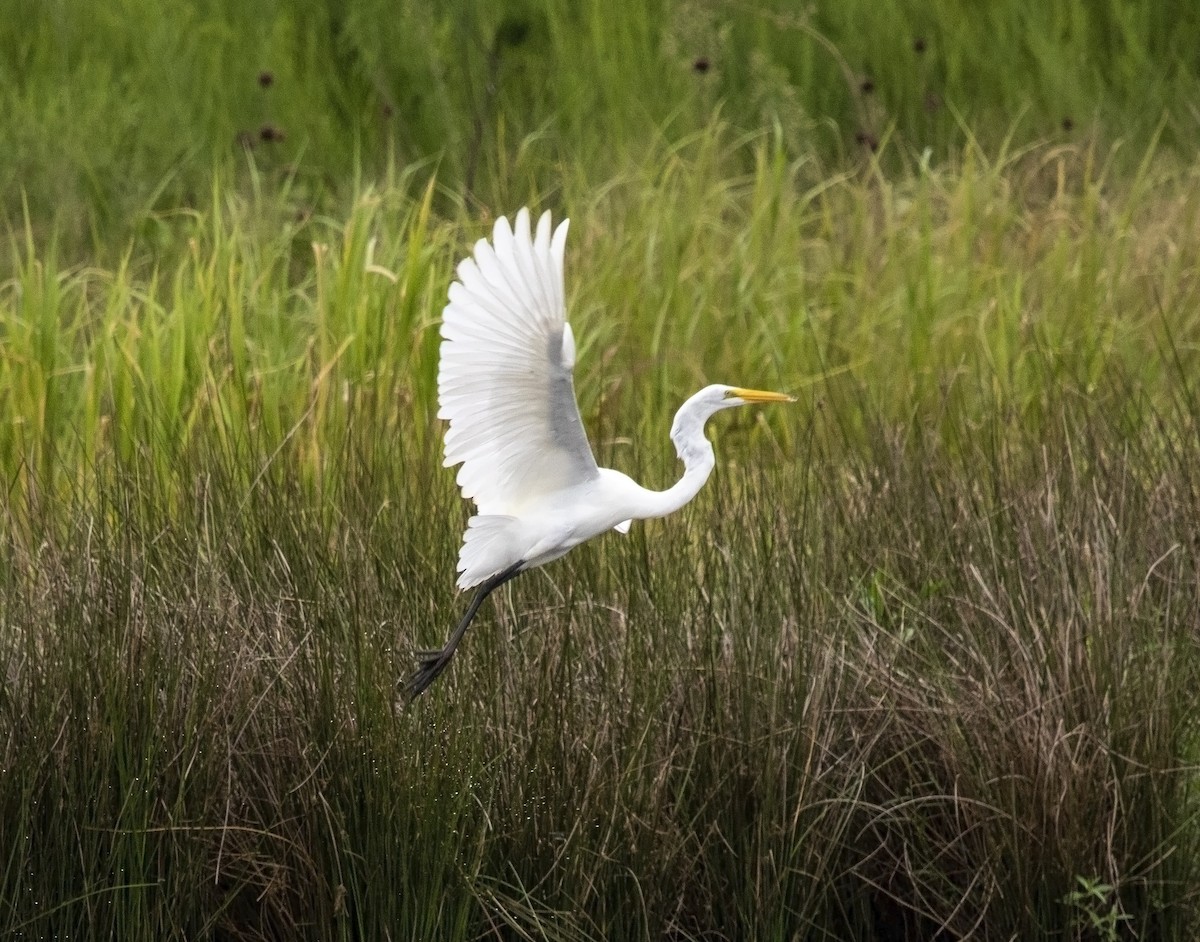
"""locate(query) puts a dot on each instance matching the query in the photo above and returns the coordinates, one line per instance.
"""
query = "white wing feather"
(504, 380)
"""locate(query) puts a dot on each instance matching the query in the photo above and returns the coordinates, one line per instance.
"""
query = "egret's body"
(504, 384)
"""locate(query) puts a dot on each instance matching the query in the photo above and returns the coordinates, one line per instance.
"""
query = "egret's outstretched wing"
(504, 381)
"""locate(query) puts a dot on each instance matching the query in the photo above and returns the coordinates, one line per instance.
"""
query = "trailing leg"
(432, 663)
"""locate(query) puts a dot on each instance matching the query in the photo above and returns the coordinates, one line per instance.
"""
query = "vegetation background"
(920, 663)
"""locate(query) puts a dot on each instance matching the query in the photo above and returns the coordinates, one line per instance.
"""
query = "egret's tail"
(490, 545)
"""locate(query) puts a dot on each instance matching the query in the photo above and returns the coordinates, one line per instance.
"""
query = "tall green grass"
(922, 657)
(993, 283)
(111, 113)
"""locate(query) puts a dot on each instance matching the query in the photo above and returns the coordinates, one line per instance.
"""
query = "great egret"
(504, 383)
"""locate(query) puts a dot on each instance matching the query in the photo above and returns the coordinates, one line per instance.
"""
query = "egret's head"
(712, 399)
(687, 431)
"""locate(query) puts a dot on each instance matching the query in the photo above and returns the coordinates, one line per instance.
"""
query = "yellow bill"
(759, 395)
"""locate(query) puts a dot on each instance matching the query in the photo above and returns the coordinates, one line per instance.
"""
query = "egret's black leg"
(432, 663)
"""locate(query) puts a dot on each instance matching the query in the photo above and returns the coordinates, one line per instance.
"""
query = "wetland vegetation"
(922, 661)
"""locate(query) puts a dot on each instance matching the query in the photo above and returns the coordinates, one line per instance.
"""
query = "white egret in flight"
(504, 383)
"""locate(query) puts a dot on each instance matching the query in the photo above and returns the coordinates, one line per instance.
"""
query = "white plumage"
(505, 386)
(504, 381)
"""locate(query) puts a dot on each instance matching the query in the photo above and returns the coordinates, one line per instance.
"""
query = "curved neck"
(696, 453)
(698, 462)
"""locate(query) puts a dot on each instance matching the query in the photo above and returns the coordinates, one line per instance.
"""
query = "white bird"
(504, 384)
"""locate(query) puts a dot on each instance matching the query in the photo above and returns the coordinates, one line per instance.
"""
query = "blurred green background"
(111, 112)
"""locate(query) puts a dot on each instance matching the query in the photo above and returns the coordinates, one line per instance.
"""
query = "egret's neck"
(696, 453)
(698, 462)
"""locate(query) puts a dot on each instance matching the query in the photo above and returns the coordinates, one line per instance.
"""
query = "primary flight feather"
(505, 386)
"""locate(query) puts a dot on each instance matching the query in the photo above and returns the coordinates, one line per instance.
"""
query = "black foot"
(429, 665)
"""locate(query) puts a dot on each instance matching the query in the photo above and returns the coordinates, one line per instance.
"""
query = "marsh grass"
(866, 693)
(921, 659)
